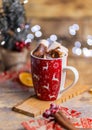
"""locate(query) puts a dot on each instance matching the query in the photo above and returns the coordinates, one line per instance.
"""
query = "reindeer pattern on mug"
(47, 78)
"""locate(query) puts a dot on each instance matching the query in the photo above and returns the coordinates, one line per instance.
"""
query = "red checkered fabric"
(46, 124)
(41, 124)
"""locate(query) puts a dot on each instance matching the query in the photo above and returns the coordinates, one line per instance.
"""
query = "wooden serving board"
(34, 107)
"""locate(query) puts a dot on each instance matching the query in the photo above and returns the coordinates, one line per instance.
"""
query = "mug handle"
(76, 77)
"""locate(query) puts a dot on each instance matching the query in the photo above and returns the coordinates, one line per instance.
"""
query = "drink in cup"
(48, 66)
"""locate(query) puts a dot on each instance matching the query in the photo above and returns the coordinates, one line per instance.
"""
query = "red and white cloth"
(46, 124)
(13, 75)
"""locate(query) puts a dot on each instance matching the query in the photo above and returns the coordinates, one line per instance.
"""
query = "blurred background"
(66, 21)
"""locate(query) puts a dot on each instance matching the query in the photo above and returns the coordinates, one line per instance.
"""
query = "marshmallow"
(53, 46)
(44, 42)
(56, 45)
(50, 50)
(41, 49)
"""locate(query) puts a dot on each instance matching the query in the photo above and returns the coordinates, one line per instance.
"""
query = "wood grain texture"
(11, 93)
(34, 107)
(59, 8)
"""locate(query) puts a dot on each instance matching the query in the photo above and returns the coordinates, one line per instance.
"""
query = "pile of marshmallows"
(49, 50)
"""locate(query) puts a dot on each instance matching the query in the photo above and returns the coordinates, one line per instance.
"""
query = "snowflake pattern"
(47, 77)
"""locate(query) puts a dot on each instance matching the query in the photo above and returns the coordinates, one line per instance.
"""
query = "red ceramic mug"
(49, 77)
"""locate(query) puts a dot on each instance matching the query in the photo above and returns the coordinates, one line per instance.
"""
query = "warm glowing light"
(89, 40)
(38, 34)
(86, 52)
(73, 29)
(25, 1)
(27, 26)
(77, 44)
(3, 42)
(76, 51)
(18, 30)
(28, 41)
(30, 36)
(53, 37)
(35, 28)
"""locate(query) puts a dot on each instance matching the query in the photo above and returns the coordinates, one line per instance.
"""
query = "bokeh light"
(25, 1)
(30, 36)
(27, 26)
(77, 44)
(38, 33)
(2, 43)
(86, 52)
(35, 28)
(53, 37)
(78, 51)
(18, 30)
(89, 40)
(73, 29)
(28, 41)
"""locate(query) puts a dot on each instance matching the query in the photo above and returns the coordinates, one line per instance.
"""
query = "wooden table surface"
(11, 94)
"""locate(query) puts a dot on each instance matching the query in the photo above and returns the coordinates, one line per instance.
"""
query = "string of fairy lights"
(36, 33)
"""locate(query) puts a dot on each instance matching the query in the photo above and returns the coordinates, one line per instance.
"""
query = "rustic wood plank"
(34, 107)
